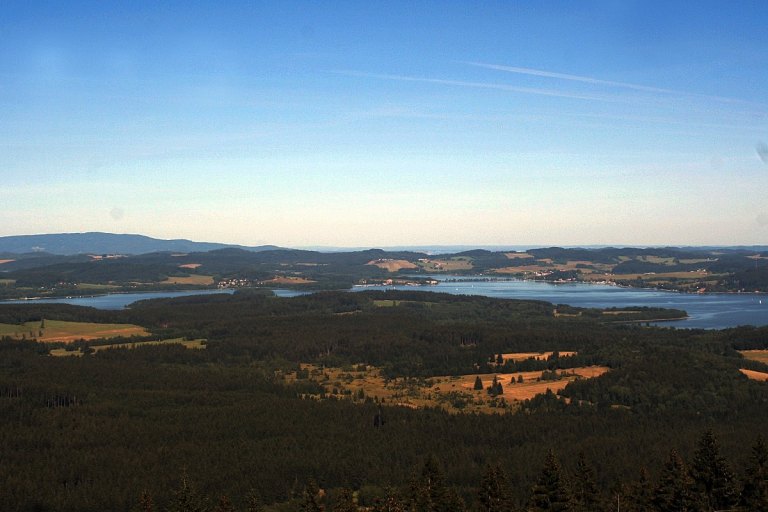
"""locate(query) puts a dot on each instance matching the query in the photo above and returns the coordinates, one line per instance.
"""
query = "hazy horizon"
(348, 124)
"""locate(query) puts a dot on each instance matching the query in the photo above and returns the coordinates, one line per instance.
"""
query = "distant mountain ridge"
(109, 243)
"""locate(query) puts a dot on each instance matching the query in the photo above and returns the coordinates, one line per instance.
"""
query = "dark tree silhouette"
(586, 497)
(755, 492)
(494, 493)
(551, 490)
(674, 492)
(713, 476)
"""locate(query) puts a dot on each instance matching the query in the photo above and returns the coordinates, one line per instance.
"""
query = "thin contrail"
(482, 85)
(597, 81)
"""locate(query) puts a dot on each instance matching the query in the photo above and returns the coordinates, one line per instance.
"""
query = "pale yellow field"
(190, 265)
(191, 344)
(392, 265)
(447, 265)
(693, 274)
(542, 356)
(58, 330)
(192, 279)
(288, 280)
(518, 255)
(521, 269)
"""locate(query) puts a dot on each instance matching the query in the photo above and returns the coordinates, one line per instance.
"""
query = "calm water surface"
(115, 300)
(708, 311)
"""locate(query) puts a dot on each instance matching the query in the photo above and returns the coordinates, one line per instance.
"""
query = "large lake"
(708, 311)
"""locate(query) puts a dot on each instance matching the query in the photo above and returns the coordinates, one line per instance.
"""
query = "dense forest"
(177, 429)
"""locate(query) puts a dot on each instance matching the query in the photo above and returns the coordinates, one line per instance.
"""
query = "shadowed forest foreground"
(164, 426)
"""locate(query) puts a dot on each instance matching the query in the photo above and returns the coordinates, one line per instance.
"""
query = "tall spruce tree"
(586, 496)
(675, 490)
(224, 505)
(640, 494)
(344, 502)
(253, 502)
(428, 492)
(714, 479)
(310, 498)
(754, 496)
(186, 498)
(551, 490)
(494, 493)
(390, 503)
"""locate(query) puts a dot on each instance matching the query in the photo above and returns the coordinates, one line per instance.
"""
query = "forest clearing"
(496, 392)
(63, 331)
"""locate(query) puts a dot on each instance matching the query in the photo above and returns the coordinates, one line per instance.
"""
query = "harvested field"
(58, 330)
(521, 269)
(452, 393)
(756, 355)
(392, 265)
(754, 375)
(190, 265)
(541, 356)
(288, 280)
(192, 279)
(447, 265)
(6, 261)
(191, 344)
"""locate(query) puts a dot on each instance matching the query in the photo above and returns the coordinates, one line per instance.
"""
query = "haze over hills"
(108, 243)
(68, 244)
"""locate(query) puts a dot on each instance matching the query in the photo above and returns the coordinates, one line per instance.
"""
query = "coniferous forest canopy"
(673, 425)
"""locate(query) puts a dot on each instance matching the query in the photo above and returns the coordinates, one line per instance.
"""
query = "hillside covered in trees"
(41, 274)
(160, 424)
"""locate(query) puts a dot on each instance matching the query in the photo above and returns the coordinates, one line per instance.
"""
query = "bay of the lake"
(115, 300)
(706, 310)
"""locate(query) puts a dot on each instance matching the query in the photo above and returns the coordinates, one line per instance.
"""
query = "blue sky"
(387, 123)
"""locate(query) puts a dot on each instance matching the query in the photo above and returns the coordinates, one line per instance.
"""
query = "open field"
(6, 261)
(452, 393)
(659, 276)
(94, 286)
(288, 280)
(447, 265)
(58, 330)
(191, 344)
(385, 303)
(518, 255)
(7, 282)
(392, 265)
(756, 355)
(541, 356)
(192, 279)
(190, 265)
(755, 375)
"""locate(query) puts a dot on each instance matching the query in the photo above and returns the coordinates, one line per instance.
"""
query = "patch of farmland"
(392, 265)
(453, 393)
(755, 375)
(191, 279)
(756, 355)
(59, 330)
